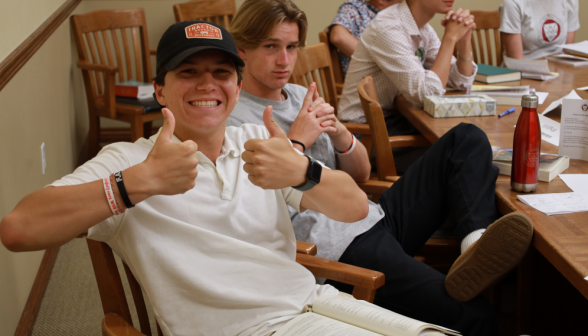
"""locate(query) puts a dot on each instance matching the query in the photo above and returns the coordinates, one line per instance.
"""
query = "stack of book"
(490, 74)
(550, 165)
(504, 95)
(137, 94)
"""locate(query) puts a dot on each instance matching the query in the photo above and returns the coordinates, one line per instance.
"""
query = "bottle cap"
(530, 101)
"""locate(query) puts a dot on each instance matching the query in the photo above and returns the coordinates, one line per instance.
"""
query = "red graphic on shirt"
(551, 30)
(203, 30)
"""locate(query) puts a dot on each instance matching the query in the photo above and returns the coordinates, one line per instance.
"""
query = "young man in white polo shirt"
(456, 175)
(199, 210)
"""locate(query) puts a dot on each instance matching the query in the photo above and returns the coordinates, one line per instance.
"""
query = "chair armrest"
(105, 107)
(408, 140)
(305, 248)
(109, 69)
(115, 325)
(339, 87)
(374, 187)
(152, 52)
(358, 128)
(348, 274)
(391, 178)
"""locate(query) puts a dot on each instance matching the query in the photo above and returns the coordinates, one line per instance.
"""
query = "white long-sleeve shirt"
(389, 51)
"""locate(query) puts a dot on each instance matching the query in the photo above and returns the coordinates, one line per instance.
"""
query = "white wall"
(36, 107)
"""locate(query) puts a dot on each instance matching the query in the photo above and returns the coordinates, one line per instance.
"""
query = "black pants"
(455, 175)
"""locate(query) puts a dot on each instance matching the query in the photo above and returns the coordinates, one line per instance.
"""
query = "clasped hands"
(459, 24)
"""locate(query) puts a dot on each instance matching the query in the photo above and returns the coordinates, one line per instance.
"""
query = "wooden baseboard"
(29, 314)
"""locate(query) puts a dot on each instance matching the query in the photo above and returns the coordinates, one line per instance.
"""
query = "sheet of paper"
(535, 66)
(580, 46)
(576, 182)
(557, 103)
(573, 140)
(555, 204)
(583, 88)
(542, 96)
(549, 130)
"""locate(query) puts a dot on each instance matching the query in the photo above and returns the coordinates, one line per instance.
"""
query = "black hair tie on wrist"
(299, 143)
(123, 191)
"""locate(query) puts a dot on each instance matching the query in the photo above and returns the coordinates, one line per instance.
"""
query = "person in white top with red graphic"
(532, 29)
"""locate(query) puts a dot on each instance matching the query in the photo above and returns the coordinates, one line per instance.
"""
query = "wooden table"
(561, 239)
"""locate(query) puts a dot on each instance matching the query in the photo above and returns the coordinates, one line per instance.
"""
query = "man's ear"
(239, 90)
(159, 94)
(242, 54)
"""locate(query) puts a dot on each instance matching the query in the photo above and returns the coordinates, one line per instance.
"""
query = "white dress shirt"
(389, 51)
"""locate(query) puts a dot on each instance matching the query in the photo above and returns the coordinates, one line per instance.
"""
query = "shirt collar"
(229, 147)
(408, 19)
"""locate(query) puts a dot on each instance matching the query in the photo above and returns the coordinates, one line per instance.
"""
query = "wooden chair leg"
(136, 128)
(148, 129)
(93, 136)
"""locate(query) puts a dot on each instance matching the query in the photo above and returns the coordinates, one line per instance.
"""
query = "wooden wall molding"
(31, 309)
(18, 58)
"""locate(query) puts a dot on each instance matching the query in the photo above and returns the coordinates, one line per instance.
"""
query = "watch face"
(314, 171)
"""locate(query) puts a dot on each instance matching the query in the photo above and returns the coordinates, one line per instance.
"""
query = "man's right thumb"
(169, 124)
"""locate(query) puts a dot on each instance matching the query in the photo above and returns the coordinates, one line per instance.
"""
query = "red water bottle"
(526, 147)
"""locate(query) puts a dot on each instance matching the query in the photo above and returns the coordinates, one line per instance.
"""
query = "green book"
(491, 74)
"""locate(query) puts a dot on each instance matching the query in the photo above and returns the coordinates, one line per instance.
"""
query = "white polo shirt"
(543, 24)
(217, 260)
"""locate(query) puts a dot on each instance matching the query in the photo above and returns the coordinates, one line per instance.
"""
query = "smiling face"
(269, 66)
(201, 93)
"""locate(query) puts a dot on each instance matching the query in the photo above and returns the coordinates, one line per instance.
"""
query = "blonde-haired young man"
(456, 175)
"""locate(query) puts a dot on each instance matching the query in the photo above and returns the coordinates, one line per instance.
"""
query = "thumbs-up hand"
(273, 163)
(170, 167)
(315, 117)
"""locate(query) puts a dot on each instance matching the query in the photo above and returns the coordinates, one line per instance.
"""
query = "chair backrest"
(487, 21)
(110, 287)
(220, 12)
(314, 65)
(117, 38)
(375, 118)
(334, 55)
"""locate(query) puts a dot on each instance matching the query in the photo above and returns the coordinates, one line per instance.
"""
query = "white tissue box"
(474, 105)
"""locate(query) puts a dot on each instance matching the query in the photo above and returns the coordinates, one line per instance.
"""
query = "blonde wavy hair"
(255, 20)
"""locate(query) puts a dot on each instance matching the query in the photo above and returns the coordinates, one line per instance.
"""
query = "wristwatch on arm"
(313, 175)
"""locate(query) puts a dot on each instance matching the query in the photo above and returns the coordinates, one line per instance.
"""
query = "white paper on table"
(555, 104)
(549, 130)
(580, 46)
(583, 88)
(534, 66)
(542, 96)
(573, 140)
(555, 204)
(576, 182)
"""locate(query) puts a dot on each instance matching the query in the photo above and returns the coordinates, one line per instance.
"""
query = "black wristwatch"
(313, 175)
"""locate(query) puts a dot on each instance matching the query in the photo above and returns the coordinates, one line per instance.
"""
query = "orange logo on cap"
(203, 30)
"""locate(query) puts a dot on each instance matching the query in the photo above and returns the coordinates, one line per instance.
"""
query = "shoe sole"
(499, 250)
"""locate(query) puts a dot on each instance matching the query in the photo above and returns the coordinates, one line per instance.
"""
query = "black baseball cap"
(184, 39)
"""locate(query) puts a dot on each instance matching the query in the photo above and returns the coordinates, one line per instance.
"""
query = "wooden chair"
(335, 61)
(113, 47)
(314, 65)
(439, 253)
(117, 316)
(486, 21)
(220, 12)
